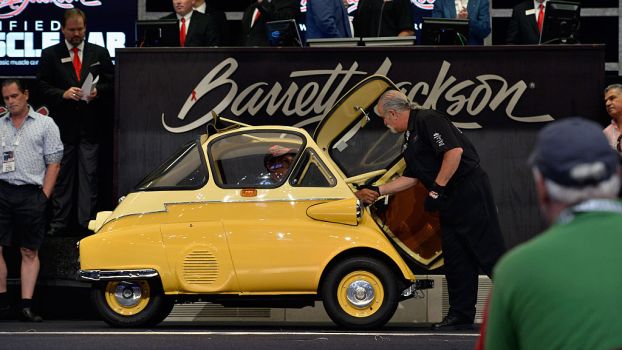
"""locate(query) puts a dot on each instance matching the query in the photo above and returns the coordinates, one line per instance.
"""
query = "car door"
(366, 152)
(269, 178)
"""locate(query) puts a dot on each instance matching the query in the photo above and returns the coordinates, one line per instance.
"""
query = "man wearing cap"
(445, 161)
(561, 290)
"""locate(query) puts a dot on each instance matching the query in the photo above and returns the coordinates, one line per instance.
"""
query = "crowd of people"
(52, 162)
(203, 25)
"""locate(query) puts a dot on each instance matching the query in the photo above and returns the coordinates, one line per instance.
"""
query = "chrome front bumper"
(108, 275)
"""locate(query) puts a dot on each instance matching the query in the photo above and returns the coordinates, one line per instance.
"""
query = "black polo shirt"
(430, 134)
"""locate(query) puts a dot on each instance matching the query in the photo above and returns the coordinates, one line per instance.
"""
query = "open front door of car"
(354, 137)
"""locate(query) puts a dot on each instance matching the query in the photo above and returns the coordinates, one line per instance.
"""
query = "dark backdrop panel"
(496, 94)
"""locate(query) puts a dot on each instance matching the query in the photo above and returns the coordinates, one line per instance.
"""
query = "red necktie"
(77, 65)
(256, 16)
(540, 17)
(182, 33)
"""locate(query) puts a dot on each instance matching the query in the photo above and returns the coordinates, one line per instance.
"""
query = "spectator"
(445, 161)
(561, 289)
(32, 152)
(327, 19)
(79, 115)
(613, 103)
(376, 18)
(261, 11)
(195, 28)
(526, 23)
(476, 11)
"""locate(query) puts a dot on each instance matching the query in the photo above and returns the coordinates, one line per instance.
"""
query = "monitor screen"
(157, 33)
(444, 31)
(283, 33)
(561, 22)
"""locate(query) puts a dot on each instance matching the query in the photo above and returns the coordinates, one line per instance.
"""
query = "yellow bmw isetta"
(267, 216)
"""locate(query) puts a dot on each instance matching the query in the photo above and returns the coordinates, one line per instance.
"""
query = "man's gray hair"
(613, 86)
(396, 100)
(607, 188)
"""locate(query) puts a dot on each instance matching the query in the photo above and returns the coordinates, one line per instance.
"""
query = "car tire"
(133, 303)
(360, 293)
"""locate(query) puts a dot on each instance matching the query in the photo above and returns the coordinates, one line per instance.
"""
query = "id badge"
(8, 161)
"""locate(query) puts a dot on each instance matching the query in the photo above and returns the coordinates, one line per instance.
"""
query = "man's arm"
(369, 196)
(480, 21)
(451, 161)
(51, 173)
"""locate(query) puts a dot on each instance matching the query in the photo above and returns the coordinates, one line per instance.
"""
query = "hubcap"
(360, 294)
(128, 294)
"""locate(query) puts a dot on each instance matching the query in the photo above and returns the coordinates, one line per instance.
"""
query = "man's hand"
(463, 14)
(435, 199)
(368, 194)
(73, 93)
(92, 96)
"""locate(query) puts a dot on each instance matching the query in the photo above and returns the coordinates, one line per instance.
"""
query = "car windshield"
(184, 170)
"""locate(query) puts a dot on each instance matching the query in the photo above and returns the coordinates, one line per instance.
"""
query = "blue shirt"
(35, 145)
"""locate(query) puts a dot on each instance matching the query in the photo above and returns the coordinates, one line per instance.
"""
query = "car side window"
(184, 170)
(258, 159)
(312, 172)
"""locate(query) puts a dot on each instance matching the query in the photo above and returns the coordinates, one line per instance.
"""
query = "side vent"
(200, 268)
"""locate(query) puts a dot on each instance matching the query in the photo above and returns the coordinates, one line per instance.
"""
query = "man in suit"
(327, 19)
(476, 11)
(79, 114)
(523, 26)
(261, 11)
(196, 28)
(380, 18)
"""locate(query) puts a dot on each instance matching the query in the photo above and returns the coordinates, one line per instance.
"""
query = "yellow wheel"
(127, 298)
(360, 293)
(131, 303)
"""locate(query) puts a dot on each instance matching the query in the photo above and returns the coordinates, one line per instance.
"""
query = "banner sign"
(499, 96)
(29, 26)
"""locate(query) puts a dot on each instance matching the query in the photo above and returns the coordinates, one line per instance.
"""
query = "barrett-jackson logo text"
(313, 100)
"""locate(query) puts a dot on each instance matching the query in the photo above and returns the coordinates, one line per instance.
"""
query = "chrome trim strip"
(219, 201)
(107, 275)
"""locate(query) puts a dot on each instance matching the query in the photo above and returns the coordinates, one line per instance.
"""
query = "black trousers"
(76, 185)
(471, 238)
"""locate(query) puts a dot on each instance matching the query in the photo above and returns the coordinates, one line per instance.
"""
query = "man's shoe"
(451, 322)
(27, 315)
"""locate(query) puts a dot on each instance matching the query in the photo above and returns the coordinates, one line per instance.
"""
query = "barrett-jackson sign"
(500, 96)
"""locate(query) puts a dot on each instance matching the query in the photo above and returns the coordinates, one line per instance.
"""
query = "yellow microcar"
(267, 216)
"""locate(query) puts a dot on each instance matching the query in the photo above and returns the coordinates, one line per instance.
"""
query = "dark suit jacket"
(523, 29)
(479, 17)
(275, 10)
(204, 29)
(76, 119)
(327, 19)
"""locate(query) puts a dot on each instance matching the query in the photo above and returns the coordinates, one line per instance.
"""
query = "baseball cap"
(574, 152)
